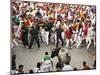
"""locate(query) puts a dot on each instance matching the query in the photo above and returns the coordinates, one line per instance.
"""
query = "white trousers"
(52, 38)
(63, 37)
(89, 41)
(63, 34)
(55, 38)
(47, 37)
(43, 35)
(68, 42)
(79, 41)
(75, 37)
(15, 42)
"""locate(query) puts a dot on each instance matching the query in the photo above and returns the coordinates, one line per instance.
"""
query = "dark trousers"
(36, 38)
(25, 40)
(59, 37)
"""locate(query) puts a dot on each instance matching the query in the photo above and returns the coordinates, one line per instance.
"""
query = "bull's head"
(55, 52)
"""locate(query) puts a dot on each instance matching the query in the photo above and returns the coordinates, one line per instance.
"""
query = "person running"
(34, 35)
(68, 35)
(90, 35)
(59, 36)
(24, 38)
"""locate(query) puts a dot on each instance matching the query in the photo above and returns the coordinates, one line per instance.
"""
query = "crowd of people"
(52, 22)
(67, 25)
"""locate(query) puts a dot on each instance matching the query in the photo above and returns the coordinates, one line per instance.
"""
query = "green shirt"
(47, 57)
(59, 31)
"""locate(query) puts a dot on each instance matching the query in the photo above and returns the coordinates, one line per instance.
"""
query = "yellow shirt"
(77, 26)
(81, 13)
(33, 12)
(13, 35)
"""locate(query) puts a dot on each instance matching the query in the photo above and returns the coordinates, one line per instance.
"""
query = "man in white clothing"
(67, 67)
(90, 36)
(46, 66)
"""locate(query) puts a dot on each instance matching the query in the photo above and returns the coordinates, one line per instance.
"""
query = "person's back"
(48, 26)
(34, 31)
(24, 30)
(47, 63)
(86, 68)
(46, 66)
(38, 14)
(46, 57)
(59, 17)
(68, 35)
(59, 31)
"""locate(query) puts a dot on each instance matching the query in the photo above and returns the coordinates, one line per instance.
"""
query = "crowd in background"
(65, 24)
(53, 22)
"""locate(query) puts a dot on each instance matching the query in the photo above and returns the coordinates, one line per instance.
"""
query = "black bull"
(55, 52)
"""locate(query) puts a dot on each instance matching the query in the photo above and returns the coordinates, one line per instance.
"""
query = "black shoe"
(29, 48)
(39, 47)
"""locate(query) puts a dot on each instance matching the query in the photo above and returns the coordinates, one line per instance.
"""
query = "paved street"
(29, 58)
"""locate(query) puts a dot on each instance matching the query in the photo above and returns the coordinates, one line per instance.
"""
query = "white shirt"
(91, 32)
(35, 70)
(46, 66)
(93, 20)
(45, 17)
(67, 68)
(65, 26)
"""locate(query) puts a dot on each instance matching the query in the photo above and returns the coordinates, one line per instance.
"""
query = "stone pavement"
(29, 58)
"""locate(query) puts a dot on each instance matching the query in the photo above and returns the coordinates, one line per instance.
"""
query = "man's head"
(21, 67)
(38, 65)
(84, 63)
(46, 53)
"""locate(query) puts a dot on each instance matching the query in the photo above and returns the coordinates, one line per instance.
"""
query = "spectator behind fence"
(20, 69)
(31, 71)
(85, 66)
(37, 69)
(67, 67)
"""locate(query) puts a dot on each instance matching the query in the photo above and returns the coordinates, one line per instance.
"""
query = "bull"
(63, 55)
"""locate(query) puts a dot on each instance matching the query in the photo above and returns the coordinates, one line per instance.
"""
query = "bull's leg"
(94, 42)
(60, 62)
(68, 58)
(59, 59)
